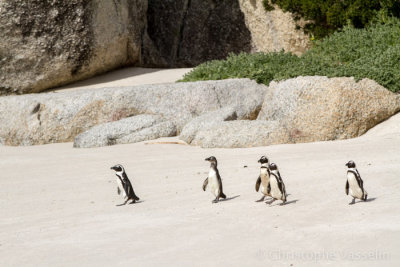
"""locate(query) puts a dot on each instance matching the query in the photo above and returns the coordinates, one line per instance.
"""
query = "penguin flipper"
(258, 183)
(347, 187)
(205, 184)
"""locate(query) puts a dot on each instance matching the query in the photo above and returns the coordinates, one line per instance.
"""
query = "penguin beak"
(207, 159)
(113, 168)
(259, 161)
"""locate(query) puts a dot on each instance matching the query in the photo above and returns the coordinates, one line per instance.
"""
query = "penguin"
(214, 180)
(263, 178)
(276, 187)
(355, 183)
(124, 185)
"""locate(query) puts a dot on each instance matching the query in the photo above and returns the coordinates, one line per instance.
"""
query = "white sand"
(129, 77)
(58, 206)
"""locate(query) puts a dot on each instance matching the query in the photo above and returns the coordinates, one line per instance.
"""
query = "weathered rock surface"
(129, 130)
(207, 121)
(274, 30)
(241, 133)
(185, 33)
(49, 43)
(59, 117)
(163, 129)
(320, 108)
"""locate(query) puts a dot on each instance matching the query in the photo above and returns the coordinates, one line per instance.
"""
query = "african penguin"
(355, 183)
(263, 178)
(214, 180)
(276, 187)
(124, 184)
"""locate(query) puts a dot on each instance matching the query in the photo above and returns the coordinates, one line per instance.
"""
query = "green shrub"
(267, 5)
(327, 16)
(372, 53)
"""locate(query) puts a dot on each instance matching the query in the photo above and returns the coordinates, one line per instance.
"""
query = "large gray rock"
(45, 44)
(129, 130)
(320, 108)
(49, 43)
(207, 121)
(241, 133)
(59, 117)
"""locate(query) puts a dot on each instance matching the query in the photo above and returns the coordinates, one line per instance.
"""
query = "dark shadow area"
(362, 201)
(185, 33)
(129, 203)
(229, 198)
(291, 202)
(111, 76)
(369, 199)
(283, 204)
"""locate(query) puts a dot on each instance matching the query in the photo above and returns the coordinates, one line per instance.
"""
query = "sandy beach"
(59, 205)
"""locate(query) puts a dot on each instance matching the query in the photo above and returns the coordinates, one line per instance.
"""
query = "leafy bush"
(326, 16)
(372, 53)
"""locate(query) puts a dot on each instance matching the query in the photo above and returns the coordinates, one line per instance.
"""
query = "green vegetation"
(372, 53)
(327, 16)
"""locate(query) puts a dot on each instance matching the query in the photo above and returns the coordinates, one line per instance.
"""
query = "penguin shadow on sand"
(284, 204)
(124, 204)
(363, 201)
(229, 198)
(294, 201)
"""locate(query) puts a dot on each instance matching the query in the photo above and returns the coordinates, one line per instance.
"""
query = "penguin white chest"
(121, 188)
(275, 191)
(355, 190)
(264, 180)
(213, 182)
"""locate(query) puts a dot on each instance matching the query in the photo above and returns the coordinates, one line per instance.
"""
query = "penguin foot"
(353, 202)
(261, 199)
(132, 202)
(214, 201)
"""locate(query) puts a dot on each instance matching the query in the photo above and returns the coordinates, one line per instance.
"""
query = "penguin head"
(118, 168)
(351, 164)
(263, 159)
(212, 160)
(273, 167)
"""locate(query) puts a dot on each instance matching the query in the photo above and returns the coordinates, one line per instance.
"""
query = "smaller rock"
(206, 121)
(163, 129)
(242, 133)
(110, 133)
